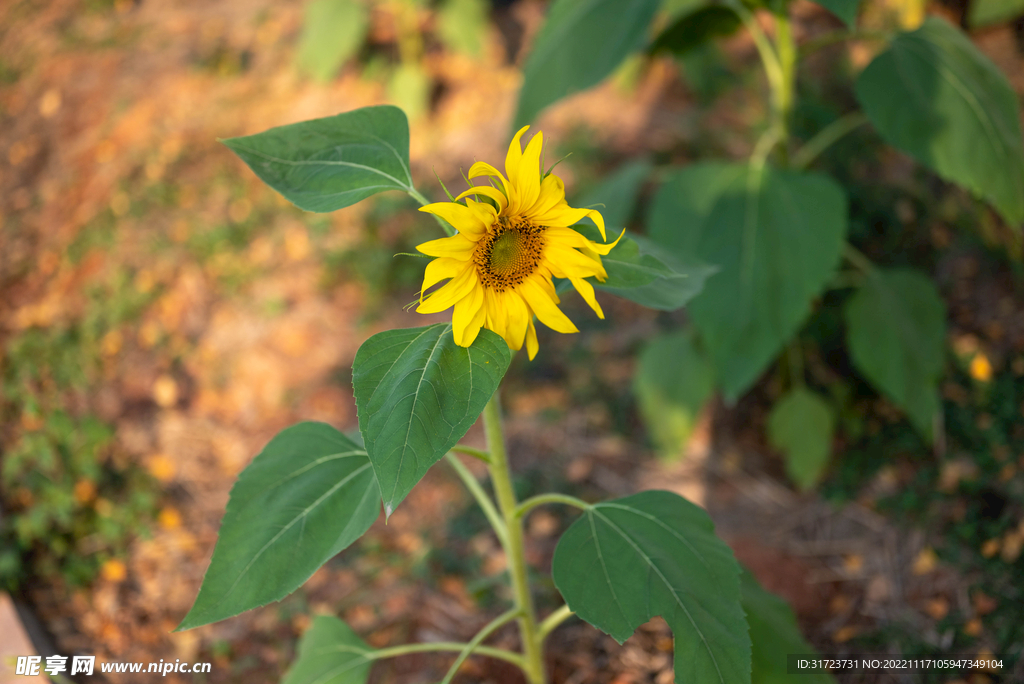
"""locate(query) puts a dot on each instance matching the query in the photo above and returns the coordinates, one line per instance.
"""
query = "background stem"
(502, 479)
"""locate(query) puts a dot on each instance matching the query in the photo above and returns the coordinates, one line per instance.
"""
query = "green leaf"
(462, 24)
(332, 32)
(987, 12)
(673, 381)
(774, 633)
(896, 331)
(564, 59)
(326, 164)
(692, 29)
(615, 196)
(330, 653)
(956, 112)
(844, 9)
(776, 236)
(801, 426)
(303, 499)
(655, 553)
(643, 272)
(417, 393)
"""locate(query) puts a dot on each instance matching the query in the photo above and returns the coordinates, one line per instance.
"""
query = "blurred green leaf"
(409, 89)
(615, 196)
(303, 499)
(844, 9)
(417, 393)
(332, 32)
(801, 425)
(327, 164)
(643, 272)
(695, 28)
(462, 25)
(655, 553)
(564, 59)
(896, 331)
(956, 112)
(775, 235)
(987, 12)
(673, 381)
(330, 653)
(774, 633)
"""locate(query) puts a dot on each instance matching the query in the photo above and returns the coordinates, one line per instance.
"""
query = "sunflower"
(508, 247)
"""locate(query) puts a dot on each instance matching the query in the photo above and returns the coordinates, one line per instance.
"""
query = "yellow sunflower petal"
(586, 290)
(515, 155)
(564, 215)
(531, 339)
(552, 193)
(496, 315)
(571, 238)
(568, 263)
(542, 305)
(518, 316)
(439, 269)
(479, 169)
(526, 177)
(487, 191)
(456, 247)
(450, 293)
(461, 217)
(468, 317)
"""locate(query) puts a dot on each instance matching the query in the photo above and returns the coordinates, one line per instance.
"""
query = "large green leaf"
(673, 381)
(615, 196)
(896, 331)
(581, 42)
(333, 30)
(987, 12)
(643, 272)
(774, 633)
(330, 653)
(308, 495)
(801, 426)
(844, 9)
(955, 112)
(326, 164)
(417, 393)
(655, 553)
(776, 237)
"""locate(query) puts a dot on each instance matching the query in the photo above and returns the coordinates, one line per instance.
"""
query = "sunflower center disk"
(506, 257)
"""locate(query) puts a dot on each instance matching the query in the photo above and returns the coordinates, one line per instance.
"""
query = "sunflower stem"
(501, 476)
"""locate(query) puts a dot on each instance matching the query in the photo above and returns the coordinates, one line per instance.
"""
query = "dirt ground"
(109, 129)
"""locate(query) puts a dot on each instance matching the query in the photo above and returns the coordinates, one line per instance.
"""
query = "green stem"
(502, 479)
(481, 497)
(827, 137)
(474, 645)
(542, 499)
(552, 621)
(442, 646)
(415, 194)
(858, 259)
(784, 95)
(772, 67)
(478, 454)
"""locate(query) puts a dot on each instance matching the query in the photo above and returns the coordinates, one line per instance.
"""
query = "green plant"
(777, 232)
(312, 491)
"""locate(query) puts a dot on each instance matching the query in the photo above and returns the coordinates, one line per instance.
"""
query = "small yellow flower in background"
(501, 261)
(981, 368)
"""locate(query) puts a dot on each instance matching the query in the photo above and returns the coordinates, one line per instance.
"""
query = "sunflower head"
(513, 238)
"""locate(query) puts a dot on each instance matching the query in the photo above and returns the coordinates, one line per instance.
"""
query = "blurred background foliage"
(163, 314)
